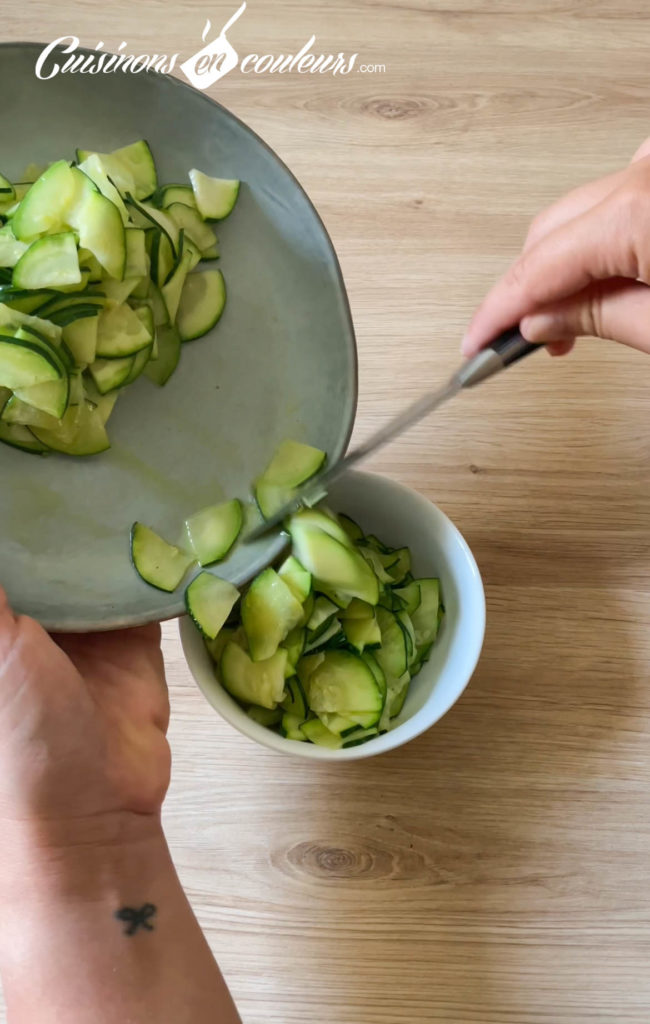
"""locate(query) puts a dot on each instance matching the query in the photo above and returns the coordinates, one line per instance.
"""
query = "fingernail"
(539, 327)
(466, 345)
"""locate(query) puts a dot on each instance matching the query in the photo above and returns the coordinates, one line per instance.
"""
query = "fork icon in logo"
(215, 60)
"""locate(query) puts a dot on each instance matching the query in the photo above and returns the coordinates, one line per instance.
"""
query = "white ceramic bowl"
(399, 516)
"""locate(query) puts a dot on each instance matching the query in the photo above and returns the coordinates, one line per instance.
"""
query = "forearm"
(65, 955)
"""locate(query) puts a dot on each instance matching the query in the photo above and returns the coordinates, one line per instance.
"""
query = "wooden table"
(495, 871)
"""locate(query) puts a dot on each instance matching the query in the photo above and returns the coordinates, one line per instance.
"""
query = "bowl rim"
(193, 649)
(177, 609)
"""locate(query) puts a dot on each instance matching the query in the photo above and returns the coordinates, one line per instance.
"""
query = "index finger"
(599, 244)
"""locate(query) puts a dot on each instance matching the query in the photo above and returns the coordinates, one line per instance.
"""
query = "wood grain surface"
(494, 871)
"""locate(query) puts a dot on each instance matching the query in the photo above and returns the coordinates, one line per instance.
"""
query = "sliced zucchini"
(306, 666)
(294, 645)
(362, 633)
(269, 611)
(294, 700)
(147, 216)
(10, 248)
(138, 365)
(209, 601)
(315, 731)
(353, 530)
(94, 167)
(327, 559)
(136, 254)
(51, 398)
(213, 531)
(400, 566)
(398, 697)
(253, 682)
(157, 562)
(20, 437)
(46, 206)
(81, 432)
(215, 197)
(131, 168)
(377, 672)
(19, 412)
(360, 736)
(265, 716)
(7, 191)
(392, 656)
(49, 262)
(337, 597)
(195, 228)
(292, 727)
(425, 618)
(121, 332)
(202, 302)
(119, 291)
(344, 684)
(374, 561)
(404, 620)
(292, 464)
(320, 520)
(321, 617)
(357, 609)
(337, 724)
(110, 374)
(169, 194)
(296, 577)
(410, 595)
(326, 638)
(160, 369)
(216, 647)
(173, 288)
(24, 363)
(307, 608)
(101, 231)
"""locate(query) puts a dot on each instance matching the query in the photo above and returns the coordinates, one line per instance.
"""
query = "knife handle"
(504, 350)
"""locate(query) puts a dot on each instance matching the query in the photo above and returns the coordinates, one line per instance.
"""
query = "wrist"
(75, 859)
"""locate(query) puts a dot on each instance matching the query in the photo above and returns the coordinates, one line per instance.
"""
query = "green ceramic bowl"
(281, 362)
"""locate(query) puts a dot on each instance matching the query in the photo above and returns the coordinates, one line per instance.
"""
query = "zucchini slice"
(81, 432)
(296, 578)
(50, 262)
(292, 464)
(51, 398)
(132, 168)
(425, 617)
(195, 228)
(336, 565)
(315, 731)
(253, 682)
(24, 363)
(10, 248)
(121, 332)
(269, 611)
(160, 369)
(265, 716)
(213, 531)
(100, 231)
(22, 438)
(169, 194)
(202, 303)
(214, 197)
(209, 601)
(158, 563)
(344, 684)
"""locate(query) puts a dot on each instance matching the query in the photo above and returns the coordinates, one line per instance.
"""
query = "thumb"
(7, 625)
(618, 309)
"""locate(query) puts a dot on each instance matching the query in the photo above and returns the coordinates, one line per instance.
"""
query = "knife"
(504, 351)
